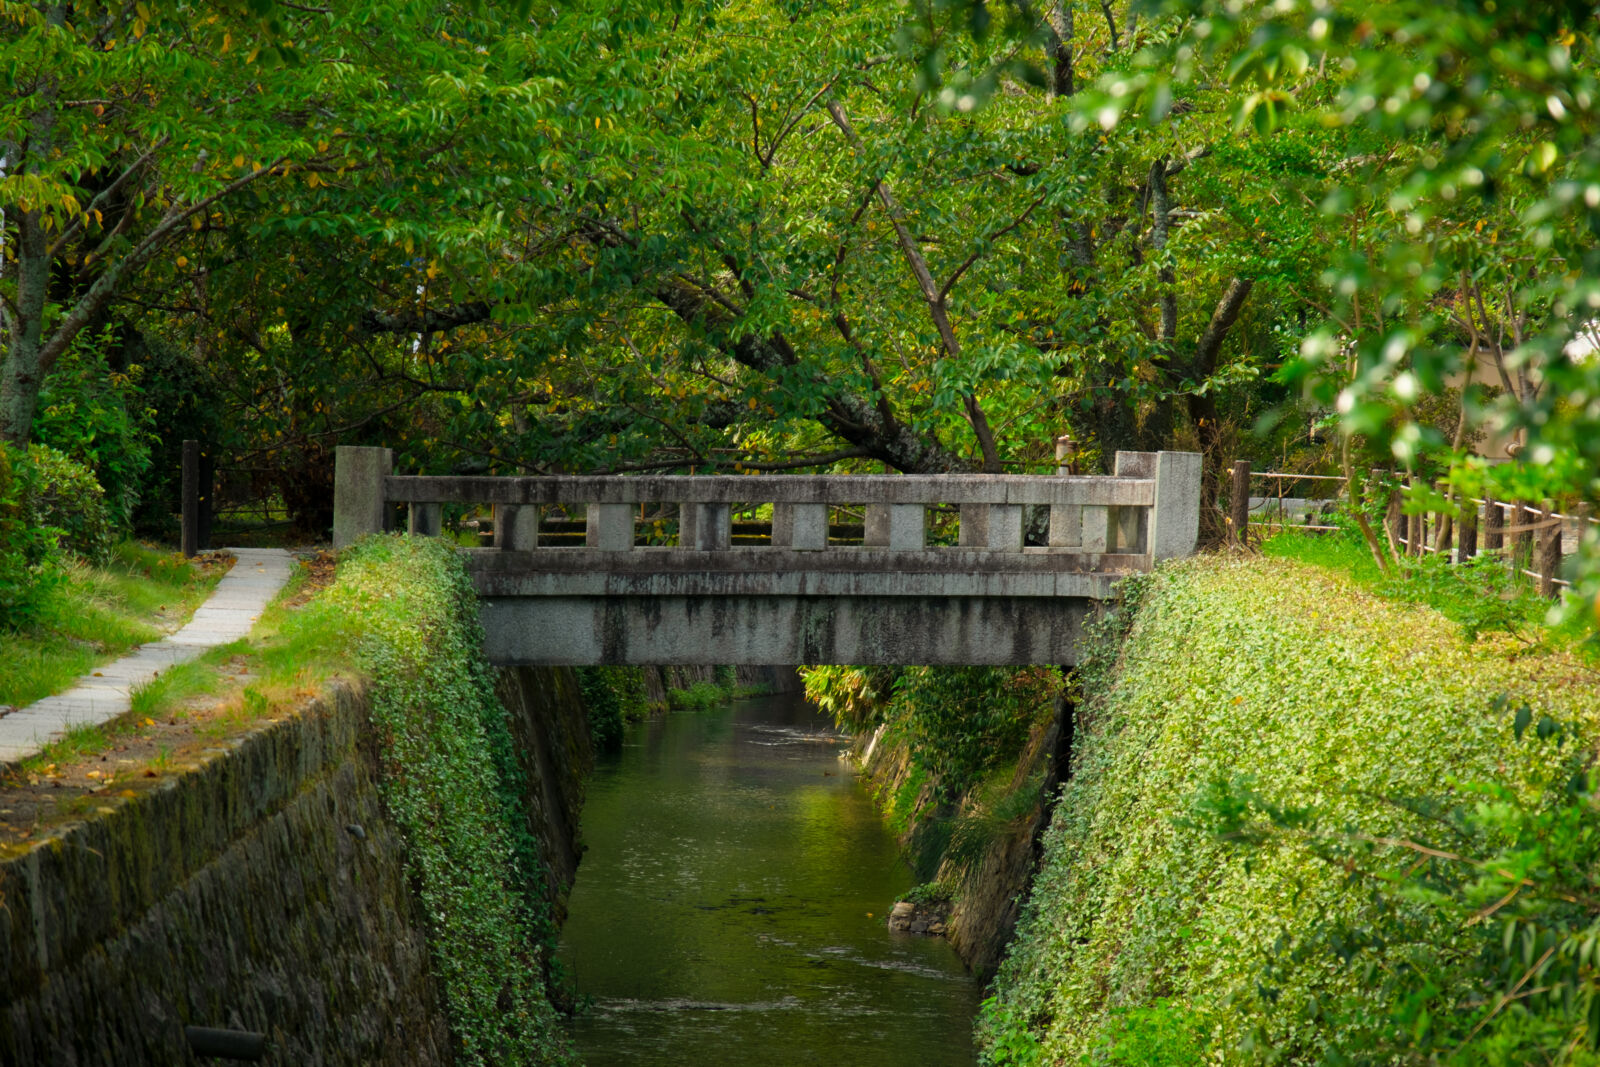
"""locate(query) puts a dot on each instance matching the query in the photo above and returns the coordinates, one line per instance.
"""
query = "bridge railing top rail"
(1066, 490)
(1149, 507)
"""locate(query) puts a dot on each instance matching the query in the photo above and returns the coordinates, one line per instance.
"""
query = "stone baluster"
(516, 527)
(901, 527)
(610, 527)
(800, 526)
(709, 527)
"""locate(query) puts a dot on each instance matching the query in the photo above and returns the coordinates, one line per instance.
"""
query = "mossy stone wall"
(263, 889)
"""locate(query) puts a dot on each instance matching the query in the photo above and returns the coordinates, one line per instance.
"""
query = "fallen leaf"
(149, 722)
(128, 793)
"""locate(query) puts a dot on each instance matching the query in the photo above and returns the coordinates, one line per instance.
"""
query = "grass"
(99, 613)
(1481, 595)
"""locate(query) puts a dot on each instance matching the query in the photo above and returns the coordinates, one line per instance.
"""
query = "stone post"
(800, 526)
(191, 498)
(1175, 518)
(1523, 516)
(974, 531)
(516, 527)
(1239, 504)
(610, 526)
(359, 494)
(896, 526)
(1396, 518)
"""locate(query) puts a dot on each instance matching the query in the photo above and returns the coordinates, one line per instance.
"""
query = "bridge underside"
(766, 629)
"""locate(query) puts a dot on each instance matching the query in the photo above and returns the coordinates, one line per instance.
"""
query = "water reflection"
(730, 907)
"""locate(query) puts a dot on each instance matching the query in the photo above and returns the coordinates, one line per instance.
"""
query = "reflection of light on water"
(620, 1005)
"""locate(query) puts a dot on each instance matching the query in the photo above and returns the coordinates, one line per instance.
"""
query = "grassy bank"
(92, 614)
(1258, 763)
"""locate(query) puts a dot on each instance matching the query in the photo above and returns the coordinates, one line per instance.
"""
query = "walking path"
(227, 615)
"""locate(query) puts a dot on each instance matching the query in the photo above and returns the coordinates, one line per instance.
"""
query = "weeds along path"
(227, 615)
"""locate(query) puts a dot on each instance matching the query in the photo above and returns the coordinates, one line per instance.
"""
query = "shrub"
(27, 566)
(611, 697)
(64, 496)
(98, 417)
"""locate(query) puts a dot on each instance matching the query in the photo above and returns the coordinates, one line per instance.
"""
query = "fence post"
(1522, 517)
(1396, 519)
(1494, 520)
(1239, 504)
(1415, 535)
(1549, 551)
(360, 505)
(1175, 517)
(190, 535)
(1469, 529)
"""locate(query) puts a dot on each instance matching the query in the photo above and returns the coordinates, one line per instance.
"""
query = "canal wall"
(987, 880)
(264, 888)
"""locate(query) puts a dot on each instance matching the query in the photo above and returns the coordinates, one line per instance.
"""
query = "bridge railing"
(1149, 507)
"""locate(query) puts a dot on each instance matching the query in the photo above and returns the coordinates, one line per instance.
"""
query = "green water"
(730, 907)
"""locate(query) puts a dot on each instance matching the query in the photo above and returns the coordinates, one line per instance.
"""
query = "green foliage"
(1332, 702)
(98, 418)
(63, 496)
(1479, 945)
(963, 721)
(27, 567)
(927, 893)
(854, 696)
(450, 778)
(1164, 1033)
(612, 696)
(698, 695)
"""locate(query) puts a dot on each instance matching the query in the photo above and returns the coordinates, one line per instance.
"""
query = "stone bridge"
(849, 569)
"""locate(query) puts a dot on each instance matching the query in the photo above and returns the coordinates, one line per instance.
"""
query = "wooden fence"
(1532, 537)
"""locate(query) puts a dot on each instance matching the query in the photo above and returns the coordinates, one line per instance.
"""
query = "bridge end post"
(359, 495)
(1175, 517)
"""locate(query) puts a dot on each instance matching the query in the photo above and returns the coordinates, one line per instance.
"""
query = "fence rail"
(1533, 538)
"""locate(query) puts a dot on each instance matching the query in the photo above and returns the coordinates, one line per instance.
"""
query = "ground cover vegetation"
(961, 733)
(1307, 824)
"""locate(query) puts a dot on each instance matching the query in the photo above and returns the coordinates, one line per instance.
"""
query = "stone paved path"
(227, 615)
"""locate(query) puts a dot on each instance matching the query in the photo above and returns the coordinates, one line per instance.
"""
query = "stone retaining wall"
(263, 889)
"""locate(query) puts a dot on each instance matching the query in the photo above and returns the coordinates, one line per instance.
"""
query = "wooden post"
(1469, 529)
(1523, 516)
(1239, 504)
(1414, 535)
(1549, 551)
(1444, 534)
(190, 537)
(1397, 520)
(1494, 520)
(1066, 454)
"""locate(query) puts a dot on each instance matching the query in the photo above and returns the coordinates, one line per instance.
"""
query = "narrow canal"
(730, 907)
